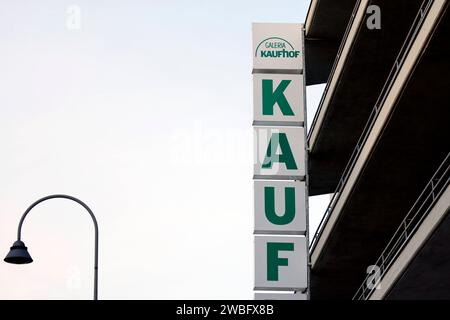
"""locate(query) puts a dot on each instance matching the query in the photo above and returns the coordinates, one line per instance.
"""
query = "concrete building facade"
(380, 144)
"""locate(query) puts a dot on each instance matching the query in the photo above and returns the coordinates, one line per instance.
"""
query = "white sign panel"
(279, 152)
(278, 98)
(277, 46)
(280, 296)
(280, 262)
(280, 193)
(280, 207)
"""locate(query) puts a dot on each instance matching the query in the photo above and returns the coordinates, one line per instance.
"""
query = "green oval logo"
(275, 47)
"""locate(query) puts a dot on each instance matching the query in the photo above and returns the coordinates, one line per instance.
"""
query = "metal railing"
(336, 61)
(417, 23)
(418, 212)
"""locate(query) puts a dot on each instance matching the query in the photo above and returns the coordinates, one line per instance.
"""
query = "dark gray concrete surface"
(330, 19)
(319, 58)
(414, 142)
(427, 277)
(325, 35)
(369, 63)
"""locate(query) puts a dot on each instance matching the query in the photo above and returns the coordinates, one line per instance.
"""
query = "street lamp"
(19, 253)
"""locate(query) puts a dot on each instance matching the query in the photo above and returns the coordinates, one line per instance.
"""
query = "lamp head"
(18, 254)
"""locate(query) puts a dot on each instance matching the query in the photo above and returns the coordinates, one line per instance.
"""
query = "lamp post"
(19, 253)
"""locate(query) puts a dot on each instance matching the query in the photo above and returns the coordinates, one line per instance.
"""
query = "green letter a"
(286, 152)
(270, 97)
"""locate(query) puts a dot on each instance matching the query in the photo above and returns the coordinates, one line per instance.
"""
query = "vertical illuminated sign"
(280, 162)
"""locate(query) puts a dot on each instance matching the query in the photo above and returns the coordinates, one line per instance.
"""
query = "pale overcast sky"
(145, 114)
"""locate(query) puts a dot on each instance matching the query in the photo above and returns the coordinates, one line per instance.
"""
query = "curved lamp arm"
(63, 196)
